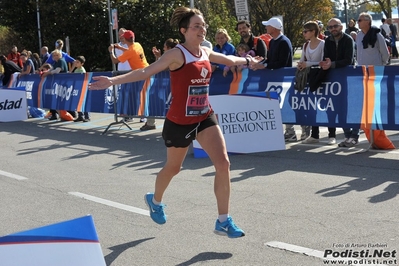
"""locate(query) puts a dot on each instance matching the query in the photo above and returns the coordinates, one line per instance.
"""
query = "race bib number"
(197, 101)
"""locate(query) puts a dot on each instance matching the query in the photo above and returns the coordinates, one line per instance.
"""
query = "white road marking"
(11, 175)
(111, 203)
(314, 253)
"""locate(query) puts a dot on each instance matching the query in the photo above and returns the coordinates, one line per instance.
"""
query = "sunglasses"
(336, 26)
(306, 31)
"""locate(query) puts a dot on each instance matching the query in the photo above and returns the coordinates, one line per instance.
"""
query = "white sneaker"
(310, 140)
(332, 141)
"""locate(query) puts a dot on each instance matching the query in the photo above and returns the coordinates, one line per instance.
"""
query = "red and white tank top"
(190, 89)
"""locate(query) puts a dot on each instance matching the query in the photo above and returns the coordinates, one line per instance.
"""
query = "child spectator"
(45, 68)
(78, 67)
(243, 50)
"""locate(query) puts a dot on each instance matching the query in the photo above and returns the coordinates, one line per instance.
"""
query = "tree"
(378, 6)
(295, 14)
(86, 24)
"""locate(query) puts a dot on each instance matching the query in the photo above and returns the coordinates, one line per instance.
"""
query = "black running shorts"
(181, 136)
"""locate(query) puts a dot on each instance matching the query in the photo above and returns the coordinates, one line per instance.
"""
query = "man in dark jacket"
(255, 43)
(9, 68)
(338, 52)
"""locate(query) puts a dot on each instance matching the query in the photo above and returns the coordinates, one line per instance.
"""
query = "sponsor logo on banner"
(281, 88)
(60, 91)
(28, 87)
(322, 99)
(10, 104)
(110, 97)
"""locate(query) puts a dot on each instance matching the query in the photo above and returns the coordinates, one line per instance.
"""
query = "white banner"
(13, 105)
(249, 123)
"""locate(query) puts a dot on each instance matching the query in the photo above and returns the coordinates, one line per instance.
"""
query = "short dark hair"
(81, 59)
(246, 22)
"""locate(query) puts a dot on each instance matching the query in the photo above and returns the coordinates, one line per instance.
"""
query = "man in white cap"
(280, 52)
(279, 56)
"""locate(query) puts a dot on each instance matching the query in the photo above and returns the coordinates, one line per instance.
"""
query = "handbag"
(301, 78)
(301, 75)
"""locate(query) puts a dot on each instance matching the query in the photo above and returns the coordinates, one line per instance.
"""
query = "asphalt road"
(305, 199)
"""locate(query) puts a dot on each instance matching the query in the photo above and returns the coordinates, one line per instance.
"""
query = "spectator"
(371, 50)
(243, 50)
(321, 27)
(78, 67)
(279, 56)
(207, 43)
(352, 27)
(353, 34)
(280, 53)
(188, 62)
(394, 34)
(133, 54)
(170, 43)
(255, 43)
(223, 46)
(385, 30)
(27, 64)
(44, 54)
(312, 54)
(59, 66)
(59, 44)
(9, 68)
(37, 62)
(45, 68)
(122, 66)
(14, 56)
(338, 52)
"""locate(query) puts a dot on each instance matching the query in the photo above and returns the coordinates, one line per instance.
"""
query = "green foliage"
(86, 22)
(294, 13)
(377, 6)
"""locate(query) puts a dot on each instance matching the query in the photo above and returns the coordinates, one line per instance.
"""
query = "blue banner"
(348, 97)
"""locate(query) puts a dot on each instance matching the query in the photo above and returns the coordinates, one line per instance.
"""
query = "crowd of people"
(196, 59)
(337, 49)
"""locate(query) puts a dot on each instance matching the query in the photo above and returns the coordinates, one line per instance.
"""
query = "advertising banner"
(13, 104)
(249, 123)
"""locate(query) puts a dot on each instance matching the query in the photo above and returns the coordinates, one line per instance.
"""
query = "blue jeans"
(351, 133)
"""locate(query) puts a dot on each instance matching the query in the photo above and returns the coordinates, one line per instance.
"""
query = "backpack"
(265, 38)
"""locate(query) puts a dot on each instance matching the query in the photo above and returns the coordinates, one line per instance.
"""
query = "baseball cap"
(128, 35)
(274, 22)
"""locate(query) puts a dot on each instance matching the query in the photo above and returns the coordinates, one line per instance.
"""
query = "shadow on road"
(119, 249)
(205, 256)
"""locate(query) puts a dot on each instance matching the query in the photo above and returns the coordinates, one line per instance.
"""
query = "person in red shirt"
(190, 115)
(15, 56)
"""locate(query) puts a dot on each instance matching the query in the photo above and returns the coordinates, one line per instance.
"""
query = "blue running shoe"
(156, 211)
(228, 228)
